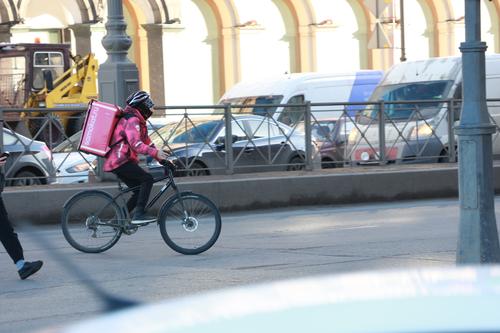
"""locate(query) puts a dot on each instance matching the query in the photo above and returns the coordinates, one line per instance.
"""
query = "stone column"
(307, 48)
(230, 67)
(155, 60)
(5, 34)
(82, 35)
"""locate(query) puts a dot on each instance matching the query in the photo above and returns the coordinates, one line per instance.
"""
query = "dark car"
(30, 161)
(259, 144)
(330, 136)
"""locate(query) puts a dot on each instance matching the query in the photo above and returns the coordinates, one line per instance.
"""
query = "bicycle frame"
(170, 183)
(165, 187)
(104, 218)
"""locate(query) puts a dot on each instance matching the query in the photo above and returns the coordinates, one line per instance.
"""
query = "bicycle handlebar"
(169, 166)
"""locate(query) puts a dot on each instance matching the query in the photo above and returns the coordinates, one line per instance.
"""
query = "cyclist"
(130, 138)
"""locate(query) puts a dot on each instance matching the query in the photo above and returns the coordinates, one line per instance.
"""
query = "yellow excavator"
(46, 76)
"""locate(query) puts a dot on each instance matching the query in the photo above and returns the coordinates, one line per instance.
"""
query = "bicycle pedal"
(130, 229)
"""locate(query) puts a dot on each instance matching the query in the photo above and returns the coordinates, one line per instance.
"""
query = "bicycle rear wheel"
(190, 224)
(90, 222)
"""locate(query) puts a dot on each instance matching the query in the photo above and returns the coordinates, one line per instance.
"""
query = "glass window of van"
(424, 93)
(292, 115)
(259, 105)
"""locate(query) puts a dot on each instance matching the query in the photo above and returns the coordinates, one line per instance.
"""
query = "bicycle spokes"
(190, 223)
(92, 222)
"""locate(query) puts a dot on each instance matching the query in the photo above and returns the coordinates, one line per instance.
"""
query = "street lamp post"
(402, 25)
(478, 236)
(118, 76)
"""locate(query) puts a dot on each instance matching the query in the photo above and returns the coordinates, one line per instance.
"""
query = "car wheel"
(444, 156)
(197, 169)
(26, 178)
(296, 163)
(328, 164)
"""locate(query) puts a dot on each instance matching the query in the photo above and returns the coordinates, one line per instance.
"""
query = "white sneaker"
(142, 218)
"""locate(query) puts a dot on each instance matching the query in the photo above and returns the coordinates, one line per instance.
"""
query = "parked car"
(416, 119)
(72, 165)
(30, 161)
(155, 123)
(331, 137)
(259, 144)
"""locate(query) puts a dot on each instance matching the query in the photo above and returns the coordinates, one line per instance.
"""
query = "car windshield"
(186, 132)
(255, 101)
(320, 130)
(68, 145)
(415, 91)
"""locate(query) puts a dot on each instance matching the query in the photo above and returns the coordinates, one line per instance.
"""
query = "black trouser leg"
(133, 175)
(8, 237)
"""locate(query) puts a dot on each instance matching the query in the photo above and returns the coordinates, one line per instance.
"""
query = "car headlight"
(84, 166)
(353, 135)
(423, 131)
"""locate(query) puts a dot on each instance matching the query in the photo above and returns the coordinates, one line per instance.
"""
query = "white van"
(419, 131)
(300, 87)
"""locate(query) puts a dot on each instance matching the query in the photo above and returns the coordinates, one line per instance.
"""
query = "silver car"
(30, 161)
(72, 166)
(259, 144)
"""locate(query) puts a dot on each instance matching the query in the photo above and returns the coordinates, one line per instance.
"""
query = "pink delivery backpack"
(100, 123)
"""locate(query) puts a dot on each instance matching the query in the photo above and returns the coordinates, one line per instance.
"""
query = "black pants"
(8, 236)
(133, 175)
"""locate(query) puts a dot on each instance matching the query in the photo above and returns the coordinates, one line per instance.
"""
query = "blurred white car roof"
(463, 299)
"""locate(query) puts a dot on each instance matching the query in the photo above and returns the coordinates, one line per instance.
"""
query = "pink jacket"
(131, 134)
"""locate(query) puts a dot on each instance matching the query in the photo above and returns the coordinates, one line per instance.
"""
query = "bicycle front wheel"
(91, 222)
(189, 224)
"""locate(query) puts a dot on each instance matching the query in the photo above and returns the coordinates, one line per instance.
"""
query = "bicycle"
(94, 220)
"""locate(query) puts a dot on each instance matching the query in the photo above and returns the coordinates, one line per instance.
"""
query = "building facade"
(191, 51)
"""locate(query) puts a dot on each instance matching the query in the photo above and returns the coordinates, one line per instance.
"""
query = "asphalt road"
(254, 247)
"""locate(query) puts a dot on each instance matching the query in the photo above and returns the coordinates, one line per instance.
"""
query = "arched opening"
(45, 21)
(490, 26)
(265, 43)
(418, 30)
(337, 38)
(191, 56)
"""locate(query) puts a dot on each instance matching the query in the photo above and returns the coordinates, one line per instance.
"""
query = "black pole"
(402, 22)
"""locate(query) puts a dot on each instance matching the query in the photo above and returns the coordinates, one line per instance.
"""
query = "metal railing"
(272, 137)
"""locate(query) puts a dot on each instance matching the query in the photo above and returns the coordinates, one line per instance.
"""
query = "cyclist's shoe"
(30, 268)
(141, 217)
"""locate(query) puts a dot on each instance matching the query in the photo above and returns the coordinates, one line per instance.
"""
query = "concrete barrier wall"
(43, 204)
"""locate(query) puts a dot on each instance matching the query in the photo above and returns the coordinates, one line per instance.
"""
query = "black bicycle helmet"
(141, 101)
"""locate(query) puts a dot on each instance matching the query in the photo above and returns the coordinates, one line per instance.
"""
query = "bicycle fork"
(179, 197)
(189, 223)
